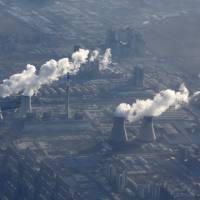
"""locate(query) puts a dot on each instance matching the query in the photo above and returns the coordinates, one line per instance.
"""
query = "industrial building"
(138, 77)
(65, 142)
(74, 155)
(125, 42)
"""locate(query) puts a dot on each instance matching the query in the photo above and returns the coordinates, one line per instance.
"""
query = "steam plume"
(154, 107)
(94, 56)
(196, 94)
(18, 82)
(29, 82)
(106, 60)
(80, 57)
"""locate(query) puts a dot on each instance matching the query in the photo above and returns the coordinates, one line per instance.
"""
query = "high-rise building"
(138, 77)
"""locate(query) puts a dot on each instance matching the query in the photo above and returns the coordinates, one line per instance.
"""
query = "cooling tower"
(25, 105)
(1, 115)
(147, 133)
(118, 135)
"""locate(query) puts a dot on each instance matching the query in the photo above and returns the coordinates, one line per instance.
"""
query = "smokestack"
(118, 135)
(25, 104)
(67, 95)
(147, 133)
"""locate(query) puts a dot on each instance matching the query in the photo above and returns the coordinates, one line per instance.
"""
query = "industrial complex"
(67, 141)
(67, 144)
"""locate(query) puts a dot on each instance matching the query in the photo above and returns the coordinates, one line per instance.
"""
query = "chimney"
(147, 133)
(25, 104)
(67, 95)
(118, 135)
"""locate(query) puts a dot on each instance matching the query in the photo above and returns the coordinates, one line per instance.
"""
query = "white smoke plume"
(105, 60)
(18, 82)
(80, 57)
(196, 94)
(94, 56)
(29, 81)
(154, 107)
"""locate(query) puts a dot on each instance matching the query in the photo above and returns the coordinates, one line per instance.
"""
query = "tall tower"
(119, 135)
(67, 95)
(129, 35)
(1, 115)
(139, 77)
(121, 181)
(25, 105)
(147, 133)
(111, 39)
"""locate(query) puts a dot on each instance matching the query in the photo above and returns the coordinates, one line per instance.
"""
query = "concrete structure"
(138, 77)
(10, 103)
(25, 105)
(125, 42)
(121, 181)
(147, 133)
(119, 135)
(67, 95)
(116, 177)
(1, 115)
(55, 126)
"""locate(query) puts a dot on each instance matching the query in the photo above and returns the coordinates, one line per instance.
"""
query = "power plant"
(69, 146)
(125, 42)
(42, 121)
(147, 133)
(25, 105)
(118, 134)
(92, 70)
(71, 127)
(59, 139)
